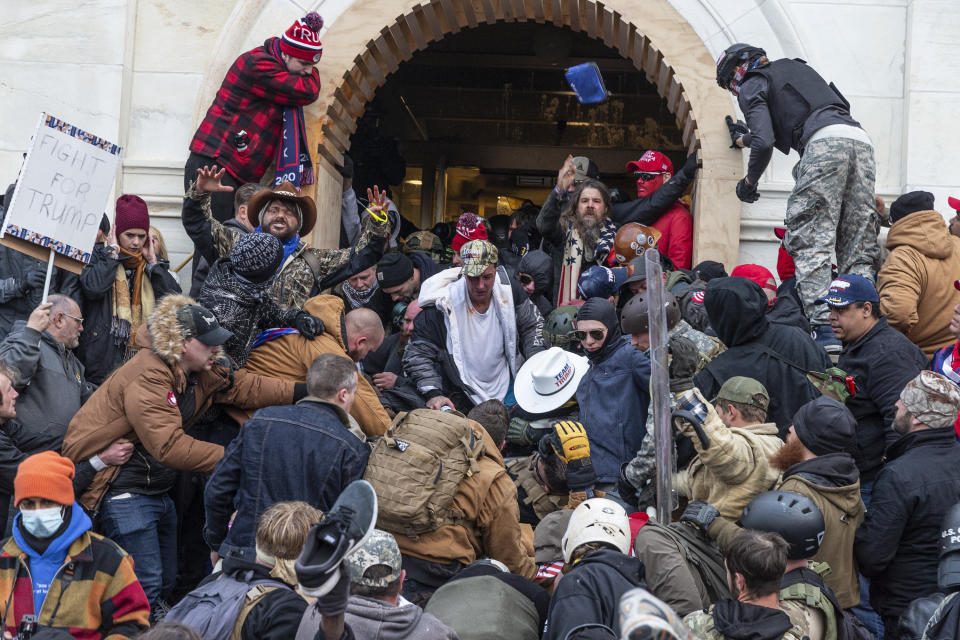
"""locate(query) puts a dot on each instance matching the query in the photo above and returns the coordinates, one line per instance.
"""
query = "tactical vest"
(795, 91)
(539, 500)
(806, 586)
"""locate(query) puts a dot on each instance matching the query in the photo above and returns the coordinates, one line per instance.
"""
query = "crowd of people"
(449, 433)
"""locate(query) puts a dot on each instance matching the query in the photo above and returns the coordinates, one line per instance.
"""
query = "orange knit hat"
(46, 475)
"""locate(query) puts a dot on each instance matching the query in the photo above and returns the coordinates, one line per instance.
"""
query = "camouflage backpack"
(417, 467)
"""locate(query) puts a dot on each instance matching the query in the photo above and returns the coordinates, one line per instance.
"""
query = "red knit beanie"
(302, 39)
(469, 227)
(131, 214)
(46, 475)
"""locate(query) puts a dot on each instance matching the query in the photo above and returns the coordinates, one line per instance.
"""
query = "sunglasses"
(646, 177)
(596, 334)
(525, 279)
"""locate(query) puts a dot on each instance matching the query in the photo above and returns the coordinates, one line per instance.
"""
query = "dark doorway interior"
(481, 121)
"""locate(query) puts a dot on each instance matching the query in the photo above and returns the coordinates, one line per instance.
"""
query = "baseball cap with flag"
(477, 255)
(651, 162)
(849, 288)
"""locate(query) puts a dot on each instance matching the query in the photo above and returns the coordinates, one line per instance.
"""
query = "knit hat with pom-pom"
(302, 39)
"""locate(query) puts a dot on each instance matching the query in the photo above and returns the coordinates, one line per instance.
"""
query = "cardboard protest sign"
(61, 194)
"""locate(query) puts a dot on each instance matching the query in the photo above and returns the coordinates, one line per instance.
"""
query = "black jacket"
(897, 544)
(778, 356)
(882, 362)
(590, 593)
(539, 266)
(787, 308)
(99, 351)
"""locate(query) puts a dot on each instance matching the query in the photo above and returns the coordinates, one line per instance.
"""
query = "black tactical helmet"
(733, 57)
(795, 517)
(633, 318)
(558, 327)
(948, 573)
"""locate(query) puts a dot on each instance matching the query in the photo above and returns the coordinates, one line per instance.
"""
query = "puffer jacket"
(296, 281)
(915, 283)
(149, 401)
(775, 355)
(734, 469)
(537, 265)
(436, 369)
(52, 386)
(242, 308)
(289, 357)
(614, 396)
(98, 349)
(490, 522)
(897, 546)
(104, 598)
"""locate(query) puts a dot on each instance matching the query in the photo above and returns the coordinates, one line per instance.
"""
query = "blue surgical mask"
(42, 523)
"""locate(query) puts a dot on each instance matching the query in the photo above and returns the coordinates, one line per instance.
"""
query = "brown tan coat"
(916, 282)
(488, 499)
(288, 357)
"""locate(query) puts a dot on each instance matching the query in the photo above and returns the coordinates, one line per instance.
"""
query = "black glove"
(628, 492)
(568, 440)
(309, 326)
(747, 192)
(33, 280)
(737, 130)
(700, 514)
(334, 603)
(683, 363)
(690, 166)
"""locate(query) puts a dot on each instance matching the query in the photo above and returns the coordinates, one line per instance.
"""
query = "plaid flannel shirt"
(252, 98)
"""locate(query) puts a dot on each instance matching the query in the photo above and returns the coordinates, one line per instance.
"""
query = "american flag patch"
(549, 570)
(697, 297)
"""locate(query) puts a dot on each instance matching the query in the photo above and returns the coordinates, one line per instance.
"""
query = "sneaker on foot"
(341, 531)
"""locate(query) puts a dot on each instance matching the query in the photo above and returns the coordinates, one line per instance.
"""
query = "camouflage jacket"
(296, 280)
(704, 627)
(642, 468)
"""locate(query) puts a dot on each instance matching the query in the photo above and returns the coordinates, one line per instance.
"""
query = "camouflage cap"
(379, 549)
(422, 241)
(477, 255)
(745, 391)
(932, 399)
(583, 168)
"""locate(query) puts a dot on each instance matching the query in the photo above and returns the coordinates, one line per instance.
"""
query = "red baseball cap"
(780, 232)
(652, 162)
(954, 203)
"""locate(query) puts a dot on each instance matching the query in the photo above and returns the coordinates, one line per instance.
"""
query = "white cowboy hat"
(548, 379)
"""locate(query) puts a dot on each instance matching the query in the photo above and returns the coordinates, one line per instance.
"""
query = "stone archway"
(371, 38)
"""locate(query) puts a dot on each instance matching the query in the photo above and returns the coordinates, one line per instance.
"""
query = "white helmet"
(596, 520)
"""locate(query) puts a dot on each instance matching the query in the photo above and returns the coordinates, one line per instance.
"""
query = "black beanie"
(393, 270)
(257, 257)
(909, 203)
(708, 270)
(825, 426)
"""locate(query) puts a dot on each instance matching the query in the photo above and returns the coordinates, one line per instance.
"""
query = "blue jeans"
(870, 618)
(146, 528)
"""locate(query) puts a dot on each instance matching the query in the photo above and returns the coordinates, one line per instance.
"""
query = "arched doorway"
(371, 38)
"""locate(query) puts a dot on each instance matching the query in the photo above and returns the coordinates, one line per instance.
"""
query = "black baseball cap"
(198, 322)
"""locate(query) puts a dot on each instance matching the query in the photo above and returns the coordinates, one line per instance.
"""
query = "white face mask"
(42, 523)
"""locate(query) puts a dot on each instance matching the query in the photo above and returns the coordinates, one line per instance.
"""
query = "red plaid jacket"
(254, 93)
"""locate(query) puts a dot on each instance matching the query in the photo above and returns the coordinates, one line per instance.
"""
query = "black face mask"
(603, 311)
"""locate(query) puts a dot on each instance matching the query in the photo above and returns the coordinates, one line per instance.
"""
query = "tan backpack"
(417, 467)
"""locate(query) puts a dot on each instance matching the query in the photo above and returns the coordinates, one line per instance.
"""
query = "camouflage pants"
(831, 210)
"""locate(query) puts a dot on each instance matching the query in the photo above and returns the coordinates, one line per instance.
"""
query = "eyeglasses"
(525, 279)
(596, 334)
(645, 176)
(80, 320)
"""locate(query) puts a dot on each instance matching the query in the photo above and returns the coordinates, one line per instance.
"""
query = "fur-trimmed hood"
(166, 334)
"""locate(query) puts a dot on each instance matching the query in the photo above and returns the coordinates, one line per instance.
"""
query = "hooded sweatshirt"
(590, 592)
(539, 266)
(373, 619)
(44, 565)
(776, 355)
(733, 620)
(916, 281)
